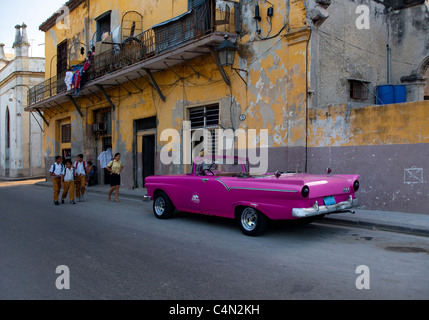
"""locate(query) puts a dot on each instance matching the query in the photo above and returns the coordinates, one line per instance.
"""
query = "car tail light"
(356, 186)
(305, 191)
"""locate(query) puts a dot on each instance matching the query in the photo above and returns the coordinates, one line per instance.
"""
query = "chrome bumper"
(317, 210)
(147, 198)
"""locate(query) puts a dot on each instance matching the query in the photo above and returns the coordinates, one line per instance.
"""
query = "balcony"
(195, 33)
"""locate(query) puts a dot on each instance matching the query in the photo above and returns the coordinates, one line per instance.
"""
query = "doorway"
(148, 157)
(106, 144)
(144, 149)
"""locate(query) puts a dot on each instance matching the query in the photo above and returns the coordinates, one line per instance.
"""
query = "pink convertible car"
(227, 189)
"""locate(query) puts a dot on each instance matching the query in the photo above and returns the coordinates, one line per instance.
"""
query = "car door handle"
(205, 180)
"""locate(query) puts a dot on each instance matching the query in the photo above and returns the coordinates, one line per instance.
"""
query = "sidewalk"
(402, 222)
(22, 178)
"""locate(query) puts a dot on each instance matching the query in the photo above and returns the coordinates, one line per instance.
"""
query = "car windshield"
(221, 169)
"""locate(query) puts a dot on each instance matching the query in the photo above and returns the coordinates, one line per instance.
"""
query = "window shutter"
(66, 133)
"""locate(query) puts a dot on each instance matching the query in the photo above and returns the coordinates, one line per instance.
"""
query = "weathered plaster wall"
(387, 145)
(347, 52)
(272, 95)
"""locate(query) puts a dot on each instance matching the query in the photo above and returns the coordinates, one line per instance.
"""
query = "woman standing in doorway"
(115, 168)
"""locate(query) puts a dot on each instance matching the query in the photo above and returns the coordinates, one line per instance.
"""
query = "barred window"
(206, 117)
(66, 133)
(358, 89)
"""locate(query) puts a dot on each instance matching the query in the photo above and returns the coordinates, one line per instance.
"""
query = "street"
(121, 251)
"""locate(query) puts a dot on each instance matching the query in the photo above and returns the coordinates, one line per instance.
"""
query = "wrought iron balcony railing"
(161, 38)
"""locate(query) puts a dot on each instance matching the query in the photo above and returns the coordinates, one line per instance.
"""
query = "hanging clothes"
(77, 80)
(68, 80)
(105, 157)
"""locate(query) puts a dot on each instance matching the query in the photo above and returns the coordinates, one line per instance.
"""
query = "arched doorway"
(423, 74)
(418, 82)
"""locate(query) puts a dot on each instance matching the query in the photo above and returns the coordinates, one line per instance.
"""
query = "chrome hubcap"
(159, 206)
(249, 219)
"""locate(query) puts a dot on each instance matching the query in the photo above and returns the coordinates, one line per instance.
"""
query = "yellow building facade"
(155, 66)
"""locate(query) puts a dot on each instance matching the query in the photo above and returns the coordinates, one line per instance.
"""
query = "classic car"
(224, 187)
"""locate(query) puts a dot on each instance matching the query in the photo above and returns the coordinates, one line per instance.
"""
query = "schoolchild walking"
(56, 171)
(80, 167)
(68, 179)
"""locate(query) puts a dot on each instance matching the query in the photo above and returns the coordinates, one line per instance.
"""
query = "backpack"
(84, 165)
(62, 167)
(74, 172)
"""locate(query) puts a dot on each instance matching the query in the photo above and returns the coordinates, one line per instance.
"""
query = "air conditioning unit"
(99, 127)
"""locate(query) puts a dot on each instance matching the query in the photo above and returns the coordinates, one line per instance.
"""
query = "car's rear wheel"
(252, 222)
(163, 208)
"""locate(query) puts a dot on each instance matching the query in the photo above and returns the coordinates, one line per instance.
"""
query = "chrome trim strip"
(261, 189)
(146, 198)
(218, 180)
(253, 189)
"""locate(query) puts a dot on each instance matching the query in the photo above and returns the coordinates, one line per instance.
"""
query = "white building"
(20, 132)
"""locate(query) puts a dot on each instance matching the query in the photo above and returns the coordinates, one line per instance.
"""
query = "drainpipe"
(389, 64)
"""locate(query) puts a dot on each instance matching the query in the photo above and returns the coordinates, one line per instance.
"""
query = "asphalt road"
(120, 251)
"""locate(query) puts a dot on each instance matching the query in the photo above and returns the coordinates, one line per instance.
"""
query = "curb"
(372, 225)
(99, 192)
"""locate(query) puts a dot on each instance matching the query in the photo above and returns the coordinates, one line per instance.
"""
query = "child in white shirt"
(67, 179)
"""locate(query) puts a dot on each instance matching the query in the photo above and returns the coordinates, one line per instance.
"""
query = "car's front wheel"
(252, 222)
(163, 208)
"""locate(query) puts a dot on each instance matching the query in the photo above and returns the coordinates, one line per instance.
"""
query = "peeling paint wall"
(387, 145)
(270, 91)
(346, 52)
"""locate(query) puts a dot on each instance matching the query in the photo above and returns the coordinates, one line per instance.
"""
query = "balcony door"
(62, 64)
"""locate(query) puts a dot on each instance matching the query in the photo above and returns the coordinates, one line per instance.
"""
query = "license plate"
(329, 201)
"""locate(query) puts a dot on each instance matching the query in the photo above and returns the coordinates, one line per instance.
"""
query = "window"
(145, 124)
(195, 3)
(358, 89)
(62, 57)
(104, 117)
(205, 118)
(103, 24)
(66, 133)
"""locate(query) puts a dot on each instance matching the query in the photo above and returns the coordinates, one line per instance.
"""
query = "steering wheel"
(208, 170)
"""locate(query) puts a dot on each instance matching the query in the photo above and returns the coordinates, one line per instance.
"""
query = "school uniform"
(57, 169)
(68, 176)
(80, 179)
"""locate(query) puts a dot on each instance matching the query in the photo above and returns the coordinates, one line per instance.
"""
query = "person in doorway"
(68, 179)
(85, 69)
(115, 168)
(80, 167)
(56, 171)
(91, 171)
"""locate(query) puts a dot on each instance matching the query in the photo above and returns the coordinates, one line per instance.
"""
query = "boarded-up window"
(66, 133)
